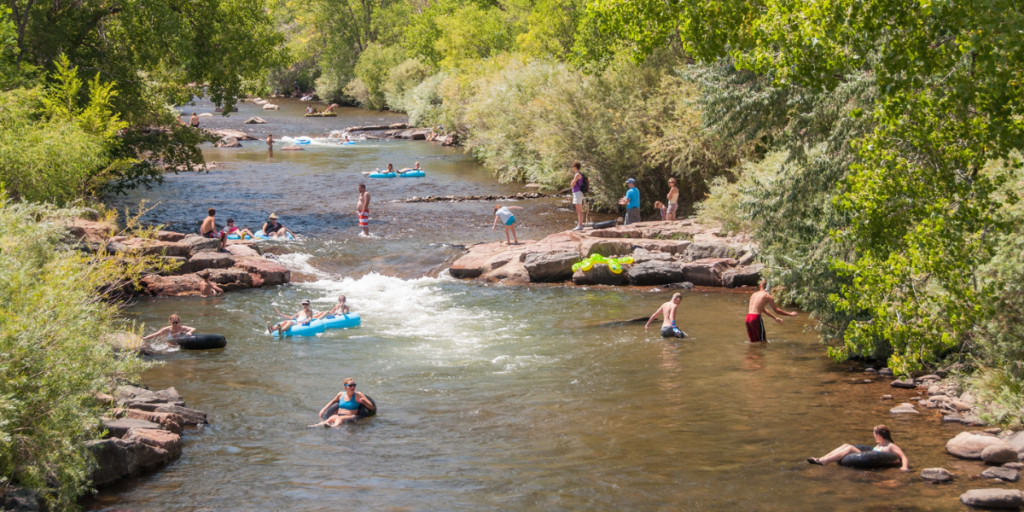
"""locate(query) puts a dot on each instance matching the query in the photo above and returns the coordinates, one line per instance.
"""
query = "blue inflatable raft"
(311, 329)
(259, 235)
(412, 174)
(341, 321)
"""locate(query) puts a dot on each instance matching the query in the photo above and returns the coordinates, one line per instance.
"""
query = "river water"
(490, 397)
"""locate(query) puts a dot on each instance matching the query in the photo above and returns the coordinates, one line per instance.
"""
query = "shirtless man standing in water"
(759, 303)
(363, 209)
(668, 315)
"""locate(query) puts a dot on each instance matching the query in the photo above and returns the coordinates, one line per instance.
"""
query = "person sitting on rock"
(348, 405)
(208, 288)
(340, 309)
(209, 228)
(272, 229)
(173, 330)
(242, 233)
(303, 317)
(884, 443)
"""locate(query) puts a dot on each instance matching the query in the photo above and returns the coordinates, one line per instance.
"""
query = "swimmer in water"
(303, 317)
(173, 330)
(348, 406)
(340, 309)
(207, 288)
(668, 315)
(759, 303)
(883, 443)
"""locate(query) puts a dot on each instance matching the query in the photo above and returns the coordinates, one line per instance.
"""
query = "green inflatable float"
(614, 264)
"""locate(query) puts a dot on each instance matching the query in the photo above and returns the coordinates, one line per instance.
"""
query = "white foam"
(313, 141)
(298, 262)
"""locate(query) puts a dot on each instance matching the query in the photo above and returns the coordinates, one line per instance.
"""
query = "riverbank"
(680, 254)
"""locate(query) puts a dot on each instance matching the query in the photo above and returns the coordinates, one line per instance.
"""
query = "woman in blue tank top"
(348, 405)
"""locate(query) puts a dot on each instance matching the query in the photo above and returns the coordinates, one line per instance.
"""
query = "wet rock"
(928, 379)
(685, 285)
(992, 498)
(652, 273)
(742, 276)
(936, 475)
(1004, 474)
(205, 260)
(167, 420)
(228, 142)
(162, 439)
(706, 272)
(270, 106)
(550, 267)
(600, 274)
(230, 279)
(512, 272)
(271, 273)
(197, 244)
(969, 445)
(903, 384)
(999, 454)
(172, 286)
(191, 416)
(120, 427)
(419, 135)
(255, 120)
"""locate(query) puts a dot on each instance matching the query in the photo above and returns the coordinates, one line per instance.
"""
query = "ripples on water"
(491, 397)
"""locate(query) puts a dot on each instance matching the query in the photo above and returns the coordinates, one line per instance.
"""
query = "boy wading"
(759, 302)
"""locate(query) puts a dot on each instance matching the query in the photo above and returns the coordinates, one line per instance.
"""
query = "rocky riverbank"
(679, 254)
(190, 257)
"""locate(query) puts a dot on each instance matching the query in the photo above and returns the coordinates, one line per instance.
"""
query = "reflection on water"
(493, 397)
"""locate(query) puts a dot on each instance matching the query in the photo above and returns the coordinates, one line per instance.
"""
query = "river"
(490, 397)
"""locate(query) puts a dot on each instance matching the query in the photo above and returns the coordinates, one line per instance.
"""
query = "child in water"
(504, 214)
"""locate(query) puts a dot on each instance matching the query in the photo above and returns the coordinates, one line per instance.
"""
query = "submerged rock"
(992, 498)
(1004, 474)
(936, 475)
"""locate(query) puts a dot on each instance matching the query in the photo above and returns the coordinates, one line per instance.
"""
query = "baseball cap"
(631, 180)
(305, 302)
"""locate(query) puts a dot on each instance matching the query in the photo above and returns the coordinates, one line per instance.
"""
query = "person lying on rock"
(207, 288)
(348, 405)
(340, 309)
(668, 315)
(209, 228)
(242, 233)
(303, 317)
(173, 330)
(883, 440)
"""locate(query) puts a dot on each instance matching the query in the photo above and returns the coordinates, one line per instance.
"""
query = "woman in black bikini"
(883, 438)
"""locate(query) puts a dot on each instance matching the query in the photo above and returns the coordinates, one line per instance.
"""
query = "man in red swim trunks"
(363, 209)
(759, 303)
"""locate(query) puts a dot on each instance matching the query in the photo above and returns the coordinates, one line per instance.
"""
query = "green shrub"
(52, 323)
(402, 79)
(372, 72)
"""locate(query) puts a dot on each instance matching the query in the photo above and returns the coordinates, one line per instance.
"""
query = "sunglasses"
(350, 385)
(175, 322)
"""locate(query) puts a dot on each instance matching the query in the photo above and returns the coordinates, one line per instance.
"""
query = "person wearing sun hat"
(632, 202)
(273, 229)
(303, 317)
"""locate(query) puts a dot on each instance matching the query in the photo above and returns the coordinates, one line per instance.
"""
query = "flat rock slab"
(936, 475)
(992, 498)
(653, 273)
(205, 260)
(904, 409)
(1004, 474)
(121, 427)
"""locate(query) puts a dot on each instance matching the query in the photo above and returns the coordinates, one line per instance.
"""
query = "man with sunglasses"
(348, 406)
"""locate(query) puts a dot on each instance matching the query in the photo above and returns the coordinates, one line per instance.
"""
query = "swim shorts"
(214, 234)
(672, 207)
(755, 329)
(672, 332)
(364, 219)
(577, 197)
(511, 220)
(632, 215)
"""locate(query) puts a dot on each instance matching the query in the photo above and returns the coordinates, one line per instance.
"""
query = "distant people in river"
(330, 109)
(208, 288)
(194, 120)
(209, 228)
(632, 202)
(363, 209)
(232, 229)
(883, 443)
(504, 214)
(759, 302)
(579, 187)
(673, 200)
(270, 144)
(407, 169)
(348, 402)
(273, 229)
(172, 330)
(303, 317)
(668, 315)
(339, 309)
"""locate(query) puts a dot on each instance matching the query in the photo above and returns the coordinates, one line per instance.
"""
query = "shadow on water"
(491, 397)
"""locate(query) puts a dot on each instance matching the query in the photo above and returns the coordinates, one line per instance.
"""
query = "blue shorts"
(511, 220)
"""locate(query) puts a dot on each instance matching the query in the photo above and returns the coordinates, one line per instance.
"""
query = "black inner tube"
(363, 412)
(869, 459)
(201, 342)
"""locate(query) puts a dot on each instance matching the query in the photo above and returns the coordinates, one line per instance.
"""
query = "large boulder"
(707, 272)
(483, 258)
(742, 276)
(166, 420)
(228, 142)
(969, 445)
(1016, 441)
(169, 236)
(675, 247)
(605, 246)
(270, 273)
(167, 441)
(993, 498)
(172, 286)
(641, 255)
(512, 272)
(91, 231)
(550, 267)
(703, 251)
(903, 384)
(231, 279)
(235, 134)
(205, 260)
(601, 274)
(242, 251)
(653, 273)
(121, 427)
(999, 454)
(113, 460)
(255, 120)
(197, 244)
(161, 248)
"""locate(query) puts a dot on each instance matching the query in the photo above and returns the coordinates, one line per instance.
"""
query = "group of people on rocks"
(580, 185)
(271, 228)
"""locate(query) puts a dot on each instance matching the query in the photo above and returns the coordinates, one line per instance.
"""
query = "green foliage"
(372, 73)
(52, 323)
(401, 81)
(474, 32)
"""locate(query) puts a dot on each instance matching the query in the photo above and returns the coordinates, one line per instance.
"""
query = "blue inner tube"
(412, 174)
(868, 459)
(312, 329)
(201, 342)
(382, 175)
(259, 234)
(349, 143)
(363, 411)
(303, 140)
(341, 321)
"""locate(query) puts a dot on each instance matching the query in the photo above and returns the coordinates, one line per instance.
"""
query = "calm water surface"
(491, 397)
